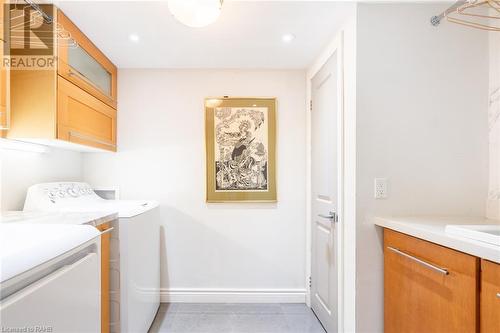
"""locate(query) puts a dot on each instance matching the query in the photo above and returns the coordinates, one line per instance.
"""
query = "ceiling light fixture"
(195, 13)
(287, 38)
(134, 38)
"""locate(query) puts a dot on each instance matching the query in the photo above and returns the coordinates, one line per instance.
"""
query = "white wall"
(493, 208)
(220, 248)
(20, 169)
(421, 122)
(349, 206)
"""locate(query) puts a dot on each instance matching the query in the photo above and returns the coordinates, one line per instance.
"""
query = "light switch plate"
(380, 190)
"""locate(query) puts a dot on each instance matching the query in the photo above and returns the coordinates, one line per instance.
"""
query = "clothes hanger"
(467, 10)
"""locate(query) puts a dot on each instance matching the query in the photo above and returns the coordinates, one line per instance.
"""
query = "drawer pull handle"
(89, 138)
(419, 261)
(106, 231)
(82, 77)
(498, 295)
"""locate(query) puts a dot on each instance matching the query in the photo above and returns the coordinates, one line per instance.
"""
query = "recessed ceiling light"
(133, 37)
(287, 38)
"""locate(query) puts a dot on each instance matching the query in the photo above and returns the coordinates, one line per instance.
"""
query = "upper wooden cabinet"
(73, 101)
(428, 287)
(4, 76)
(83, 119)
(82, 63)
(490, 297)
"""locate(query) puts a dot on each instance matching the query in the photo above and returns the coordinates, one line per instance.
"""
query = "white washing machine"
(135, 248)
(49, 270)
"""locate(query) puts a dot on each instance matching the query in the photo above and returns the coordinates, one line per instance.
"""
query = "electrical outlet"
(380, 188)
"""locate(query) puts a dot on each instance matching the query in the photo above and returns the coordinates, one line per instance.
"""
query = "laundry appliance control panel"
(45, 195)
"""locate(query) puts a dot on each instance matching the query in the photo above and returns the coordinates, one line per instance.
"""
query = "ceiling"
(248, 34)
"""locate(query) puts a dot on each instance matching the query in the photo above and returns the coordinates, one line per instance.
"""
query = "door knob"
(331, 216)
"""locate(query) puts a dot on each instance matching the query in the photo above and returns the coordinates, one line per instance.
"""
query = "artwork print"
(240, 139)
(241, 149)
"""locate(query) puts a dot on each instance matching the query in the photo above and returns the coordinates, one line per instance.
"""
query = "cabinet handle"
(106, 231)
(89, 138)
(84, 78)
(53, 276)
(419, 261)
(80, 76)
(498, 295)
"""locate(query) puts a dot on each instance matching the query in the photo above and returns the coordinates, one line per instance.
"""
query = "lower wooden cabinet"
(427, 287)
(490, 297)
(105, 308)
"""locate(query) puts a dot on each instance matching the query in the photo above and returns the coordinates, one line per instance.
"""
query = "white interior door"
(324, 193)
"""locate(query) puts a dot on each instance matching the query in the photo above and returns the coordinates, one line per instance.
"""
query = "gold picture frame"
(240, 137)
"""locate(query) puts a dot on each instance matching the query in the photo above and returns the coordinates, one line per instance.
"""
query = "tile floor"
(235, 318)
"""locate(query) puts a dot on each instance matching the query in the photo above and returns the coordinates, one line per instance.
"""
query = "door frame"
(335, 46)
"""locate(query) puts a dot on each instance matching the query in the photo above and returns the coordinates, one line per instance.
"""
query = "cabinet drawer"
(490, 297)
(428, 287)
(84, 119)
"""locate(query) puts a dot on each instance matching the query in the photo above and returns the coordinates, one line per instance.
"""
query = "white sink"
(487, 233)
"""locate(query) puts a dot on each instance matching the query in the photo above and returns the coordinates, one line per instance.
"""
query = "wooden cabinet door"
(4, 93)
(105, 304)
(428, 288)
(490, 297)
(83, 119)
(82, 63)
(4, 73)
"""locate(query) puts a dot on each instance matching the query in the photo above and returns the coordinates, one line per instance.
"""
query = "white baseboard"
(194, 295)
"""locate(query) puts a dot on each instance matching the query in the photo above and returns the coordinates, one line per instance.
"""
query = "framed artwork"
(241, 149)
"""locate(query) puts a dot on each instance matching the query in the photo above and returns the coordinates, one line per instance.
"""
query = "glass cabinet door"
(83, 64)
(90, 69)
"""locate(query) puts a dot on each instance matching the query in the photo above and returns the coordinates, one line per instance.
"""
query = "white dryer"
(135, 248)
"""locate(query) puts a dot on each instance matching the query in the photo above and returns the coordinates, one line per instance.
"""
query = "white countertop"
(29, 239)
(91, 218)
(432, 229)
(24, 246)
